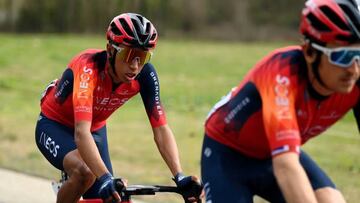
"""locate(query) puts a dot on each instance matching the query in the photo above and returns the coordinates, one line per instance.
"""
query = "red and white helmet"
(134, 30)
(331, 21)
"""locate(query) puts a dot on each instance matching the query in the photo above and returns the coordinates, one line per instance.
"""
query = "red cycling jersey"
(86, 92)
(274, 109)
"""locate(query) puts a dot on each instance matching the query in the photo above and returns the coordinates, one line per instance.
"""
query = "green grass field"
(193, 76)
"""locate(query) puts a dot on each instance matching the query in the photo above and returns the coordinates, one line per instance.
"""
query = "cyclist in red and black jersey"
(71, 129)
(253, 135)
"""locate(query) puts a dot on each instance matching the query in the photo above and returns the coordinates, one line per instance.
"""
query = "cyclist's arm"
(83, 88)
(165, 142)
(87, 148)
(292, 179)
(163, 136)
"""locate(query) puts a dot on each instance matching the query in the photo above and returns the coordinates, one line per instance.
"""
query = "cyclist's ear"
(309, 53)
(109, 49)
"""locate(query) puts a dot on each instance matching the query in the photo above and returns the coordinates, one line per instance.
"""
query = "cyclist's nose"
(135, 63)
(355, 66)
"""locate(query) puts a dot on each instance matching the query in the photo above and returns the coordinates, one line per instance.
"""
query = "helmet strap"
(315, 69)
(112, 57)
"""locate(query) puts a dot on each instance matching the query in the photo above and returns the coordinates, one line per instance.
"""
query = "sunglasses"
(128, 54)
(342, 56)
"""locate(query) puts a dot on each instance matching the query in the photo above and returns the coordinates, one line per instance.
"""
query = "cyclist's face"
(336, 78)
(125, 72)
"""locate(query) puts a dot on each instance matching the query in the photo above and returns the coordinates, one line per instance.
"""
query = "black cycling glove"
(189, 187)
(107, 189)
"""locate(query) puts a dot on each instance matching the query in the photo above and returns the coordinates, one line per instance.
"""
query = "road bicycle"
(128, 192)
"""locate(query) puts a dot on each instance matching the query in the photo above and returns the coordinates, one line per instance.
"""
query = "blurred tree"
(194, 16)
(5, 14)
(219, 12)
(226, 19)
(278, 13)
(28, 21)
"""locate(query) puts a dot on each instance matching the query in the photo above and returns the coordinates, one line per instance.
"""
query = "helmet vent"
(317, 23)
(333, 17)
(138, 29)
(147, 28)
(153, 36)
(114, 29)
(141, 19)
(143, 38)
(354, 19)
(126, 27)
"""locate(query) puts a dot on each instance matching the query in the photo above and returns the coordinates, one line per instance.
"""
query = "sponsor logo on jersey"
(157, 94)
(85, 109)
(84, 83)
(281, 97)
(287, 134)
(235, 110)
(62, 87)
(109, 104)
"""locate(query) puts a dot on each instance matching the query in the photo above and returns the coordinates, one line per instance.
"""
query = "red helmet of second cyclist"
(331, 21)
(133, 30)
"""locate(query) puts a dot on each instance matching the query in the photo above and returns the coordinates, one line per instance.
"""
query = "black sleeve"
(64, 88)
(150, 94)
(356, 111)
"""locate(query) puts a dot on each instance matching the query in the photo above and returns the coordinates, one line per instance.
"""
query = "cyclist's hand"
(107, 189)
(120, 184)
(190, 187)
